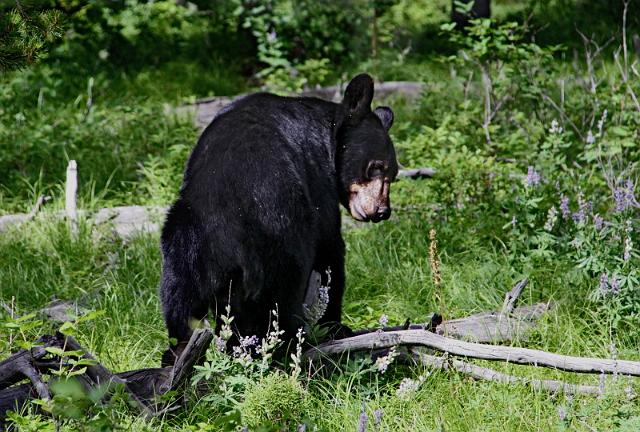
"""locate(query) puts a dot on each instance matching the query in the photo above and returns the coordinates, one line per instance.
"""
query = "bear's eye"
(375, 169)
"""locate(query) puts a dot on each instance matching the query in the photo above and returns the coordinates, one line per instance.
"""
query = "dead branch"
(487, 374)
(494, 327)
(417, 173)
(40, 202)
(523, 356)
(143, 385)
(511, 298)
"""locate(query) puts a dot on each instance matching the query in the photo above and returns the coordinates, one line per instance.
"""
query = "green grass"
(43, 260)
(130, 151)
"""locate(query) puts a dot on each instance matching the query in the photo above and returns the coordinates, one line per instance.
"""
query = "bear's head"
(366, 160)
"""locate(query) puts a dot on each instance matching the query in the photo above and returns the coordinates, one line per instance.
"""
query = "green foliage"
(276, 400)
(25, 34)
(537, 164)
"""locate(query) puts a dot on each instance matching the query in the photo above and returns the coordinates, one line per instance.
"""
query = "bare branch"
(487, 374)
(511, 298)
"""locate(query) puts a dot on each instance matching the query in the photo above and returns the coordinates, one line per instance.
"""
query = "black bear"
(258, 210)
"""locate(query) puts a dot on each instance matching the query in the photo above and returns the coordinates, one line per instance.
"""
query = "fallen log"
(487, 374)
(522, 356)
(143, 385)
(205, 110)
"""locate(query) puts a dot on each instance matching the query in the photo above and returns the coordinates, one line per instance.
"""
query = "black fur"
(259, 208)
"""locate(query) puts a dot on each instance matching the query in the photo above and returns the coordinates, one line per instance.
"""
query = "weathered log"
(494, 327)
(511, 298)
(205, 110)
(21, 365)
(192, 355)
(487, 374)
(417, 173)
(523, 356)
(143, 385)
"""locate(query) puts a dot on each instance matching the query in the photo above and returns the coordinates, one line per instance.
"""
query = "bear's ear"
(385, 115)
(358, 96)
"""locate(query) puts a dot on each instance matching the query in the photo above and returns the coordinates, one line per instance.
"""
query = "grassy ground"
(130, 152)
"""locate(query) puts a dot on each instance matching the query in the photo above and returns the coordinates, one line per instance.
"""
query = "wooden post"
(71, 190)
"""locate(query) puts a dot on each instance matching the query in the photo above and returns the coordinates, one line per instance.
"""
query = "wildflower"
(316, 308)
(590, 138)
(575, 243)
(555, 127)
(533, 177)
(272, 36)
(270, 342)
(384, 320)
(628, 247)
(598, 222)
(301, 428)
(615, 285)
(629, 392)
(297, 356)
(362, 423)
(377, 416)
(221, 344)
(248, 341)
(624, 196)
(514, 221)
(383, 362)
(584, 208)
(552, 218)
(408, 387)
(578, 216)
(604, 284)
(562, 413)
(564, 207)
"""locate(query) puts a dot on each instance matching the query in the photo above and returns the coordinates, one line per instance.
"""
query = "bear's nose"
(383, 213)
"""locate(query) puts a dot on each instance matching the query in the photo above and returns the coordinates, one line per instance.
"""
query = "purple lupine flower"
(604, 284)
(578, 216)
(585, 205)
(248, 341)
(615, 284)
(564, 207)
(620, 197)
(552, 218)
(598, 222)
(533, 177)
(384, 320)
(301, 428)
(377, 416)
(514, 222)
(562, 413)
(221, 344)
(362, 423)
(590, 138)
(624, 196)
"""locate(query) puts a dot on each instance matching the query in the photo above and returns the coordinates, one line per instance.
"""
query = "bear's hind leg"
(180, 288)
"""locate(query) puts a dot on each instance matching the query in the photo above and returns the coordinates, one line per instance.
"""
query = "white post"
(71, 190)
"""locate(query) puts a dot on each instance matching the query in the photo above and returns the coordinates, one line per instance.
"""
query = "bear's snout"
(370, 201)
